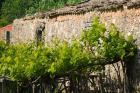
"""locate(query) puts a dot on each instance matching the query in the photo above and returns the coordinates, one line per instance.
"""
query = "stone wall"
(1, 35)
(68, 25)
(68, 22)
(64, 27)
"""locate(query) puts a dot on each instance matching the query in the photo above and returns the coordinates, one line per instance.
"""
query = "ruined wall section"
(62, 27)
(23, 31)
(69, 26)
(67, 22)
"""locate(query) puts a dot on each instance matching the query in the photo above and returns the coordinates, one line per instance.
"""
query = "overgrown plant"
(109, 46)
(96, 48)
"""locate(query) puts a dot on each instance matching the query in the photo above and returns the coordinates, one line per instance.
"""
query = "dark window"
(7, 37)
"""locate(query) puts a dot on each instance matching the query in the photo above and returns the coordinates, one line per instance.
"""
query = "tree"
(12, 9)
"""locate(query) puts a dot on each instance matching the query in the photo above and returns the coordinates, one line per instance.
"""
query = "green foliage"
(12, 9)
(110, 46)
(45, 5)
(96, 47)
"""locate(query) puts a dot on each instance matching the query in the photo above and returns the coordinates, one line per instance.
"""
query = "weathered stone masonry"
(68, 22)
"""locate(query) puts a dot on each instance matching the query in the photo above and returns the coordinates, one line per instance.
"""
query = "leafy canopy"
(96, 47)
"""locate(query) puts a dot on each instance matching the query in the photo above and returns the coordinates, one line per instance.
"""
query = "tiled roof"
(7, 28)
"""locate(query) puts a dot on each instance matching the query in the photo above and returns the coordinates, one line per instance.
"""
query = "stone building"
(68, 22)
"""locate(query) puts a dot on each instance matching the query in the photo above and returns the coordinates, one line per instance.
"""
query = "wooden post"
(33, 88)
(17, 88)
(3, 86)
(101, 83)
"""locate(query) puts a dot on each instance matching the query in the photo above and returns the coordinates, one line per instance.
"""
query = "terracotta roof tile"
(7, 28)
